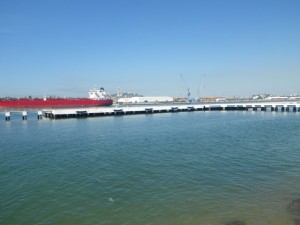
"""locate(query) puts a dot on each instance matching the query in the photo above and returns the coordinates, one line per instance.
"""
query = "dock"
(171, 108)
(288, 106)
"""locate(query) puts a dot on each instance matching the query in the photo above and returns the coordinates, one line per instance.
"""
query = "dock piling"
(7, 116)
(24, 115)
(40, 115)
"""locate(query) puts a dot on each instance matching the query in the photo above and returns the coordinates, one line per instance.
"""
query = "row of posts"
(277, 108)
(24, 115)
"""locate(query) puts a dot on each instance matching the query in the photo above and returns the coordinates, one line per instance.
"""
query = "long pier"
(288, 106)
(171, 108)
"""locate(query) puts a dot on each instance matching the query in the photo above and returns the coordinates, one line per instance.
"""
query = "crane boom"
(187, 88)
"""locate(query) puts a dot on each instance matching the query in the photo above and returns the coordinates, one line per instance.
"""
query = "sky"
(151, 47)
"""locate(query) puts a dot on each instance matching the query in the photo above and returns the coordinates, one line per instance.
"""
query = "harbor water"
(185, 168)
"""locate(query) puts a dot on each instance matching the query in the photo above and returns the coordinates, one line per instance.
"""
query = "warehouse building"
(150, 99)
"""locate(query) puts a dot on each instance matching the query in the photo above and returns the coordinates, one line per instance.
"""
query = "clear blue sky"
(64, 47)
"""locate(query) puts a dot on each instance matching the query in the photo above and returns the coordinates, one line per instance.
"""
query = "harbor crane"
(188, 98)
(199, 89)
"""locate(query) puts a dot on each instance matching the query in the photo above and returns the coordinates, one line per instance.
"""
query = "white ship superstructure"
(98, 94)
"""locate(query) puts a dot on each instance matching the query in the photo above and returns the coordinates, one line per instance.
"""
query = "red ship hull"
(54, 103)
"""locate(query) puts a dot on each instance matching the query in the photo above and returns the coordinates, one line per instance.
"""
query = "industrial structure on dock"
(150, 99)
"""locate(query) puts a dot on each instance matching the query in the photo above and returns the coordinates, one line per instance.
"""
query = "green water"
(185, 168)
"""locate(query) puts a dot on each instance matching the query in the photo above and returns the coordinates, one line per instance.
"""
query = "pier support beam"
(118, 111)
(148, 110)
(230, 108)
(40, 115)
(240, 108)
(24, 115)
(174, 109)
(216, 108)
(268, 109)
(291, 108)
(7, 116)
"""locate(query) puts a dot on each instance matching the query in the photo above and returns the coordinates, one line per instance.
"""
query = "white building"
(150, 99)
(276, 98)
(294, 98)
(220, 100)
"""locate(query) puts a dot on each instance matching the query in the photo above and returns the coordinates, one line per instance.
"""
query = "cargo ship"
(97, 97)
